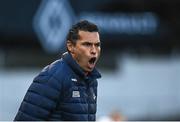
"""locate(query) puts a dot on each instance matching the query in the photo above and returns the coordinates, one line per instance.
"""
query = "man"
(66, 90)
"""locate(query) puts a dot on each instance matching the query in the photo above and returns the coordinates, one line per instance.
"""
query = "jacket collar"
(67, 57)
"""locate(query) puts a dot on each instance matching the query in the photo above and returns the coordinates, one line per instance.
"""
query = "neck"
(86, 73)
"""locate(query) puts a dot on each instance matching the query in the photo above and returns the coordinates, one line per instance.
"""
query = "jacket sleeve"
(40, 100)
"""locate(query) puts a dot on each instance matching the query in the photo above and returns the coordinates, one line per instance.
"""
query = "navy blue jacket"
(61, 92)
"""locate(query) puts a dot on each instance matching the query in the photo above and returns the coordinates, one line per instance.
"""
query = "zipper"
(88, 99)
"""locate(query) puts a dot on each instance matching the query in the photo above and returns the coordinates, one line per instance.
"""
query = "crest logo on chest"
(75, 94)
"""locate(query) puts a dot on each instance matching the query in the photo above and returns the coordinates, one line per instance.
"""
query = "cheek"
(84, 51)
(82, 56)
(99, 50)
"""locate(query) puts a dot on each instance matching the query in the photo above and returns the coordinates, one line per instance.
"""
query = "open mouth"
(92, 60)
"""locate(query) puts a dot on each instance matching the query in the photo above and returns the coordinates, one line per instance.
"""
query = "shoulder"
(55, 73)
(54, 68)
(47, 74)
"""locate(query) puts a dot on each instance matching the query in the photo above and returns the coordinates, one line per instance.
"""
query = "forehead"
(89, 36)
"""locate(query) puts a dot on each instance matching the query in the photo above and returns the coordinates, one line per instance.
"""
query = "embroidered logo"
(75, 94)
(74, 79)
(94, 96)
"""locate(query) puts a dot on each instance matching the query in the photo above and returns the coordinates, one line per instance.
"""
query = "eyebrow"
(91, 42)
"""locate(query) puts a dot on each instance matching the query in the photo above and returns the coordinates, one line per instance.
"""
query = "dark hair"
(83, 25)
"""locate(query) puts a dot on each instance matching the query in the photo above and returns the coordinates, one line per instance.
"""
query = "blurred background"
(140, 60)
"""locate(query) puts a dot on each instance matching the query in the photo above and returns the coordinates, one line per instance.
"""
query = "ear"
(70, 46)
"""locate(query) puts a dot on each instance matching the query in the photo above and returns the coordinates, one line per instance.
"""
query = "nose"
(93, 50)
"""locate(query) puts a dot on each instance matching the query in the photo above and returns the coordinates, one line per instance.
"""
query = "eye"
(87, 44)
(97, 44)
